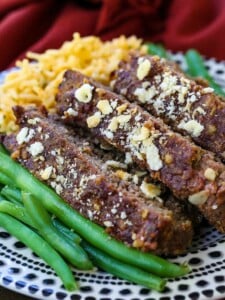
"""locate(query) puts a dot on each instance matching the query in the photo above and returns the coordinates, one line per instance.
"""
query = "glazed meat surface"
(73, 170)
(191, 173)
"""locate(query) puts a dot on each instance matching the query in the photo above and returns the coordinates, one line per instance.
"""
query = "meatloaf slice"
(186, 169)
(123, 167)
(46, 149)
(187, 106)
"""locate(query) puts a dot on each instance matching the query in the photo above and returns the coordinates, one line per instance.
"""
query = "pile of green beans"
(195, 65)
(89, 242)
(40, 247)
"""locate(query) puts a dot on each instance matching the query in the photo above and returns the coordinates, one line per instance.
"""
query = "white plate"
(22, 271)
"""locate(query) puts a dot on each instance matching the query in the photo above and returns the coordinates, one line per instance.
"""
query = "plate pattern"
(22, 271)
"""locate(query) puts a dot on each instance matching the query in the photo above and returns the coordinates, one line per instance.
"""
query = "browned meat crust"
(186, 169)
(189, 107)
(45, 148)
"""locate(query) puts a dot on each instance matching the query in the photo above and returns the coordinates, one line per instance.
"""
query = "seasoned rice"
(38, 75)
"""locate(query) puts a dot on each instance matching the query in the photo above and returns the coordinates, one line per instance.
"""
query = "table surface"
(6, 294)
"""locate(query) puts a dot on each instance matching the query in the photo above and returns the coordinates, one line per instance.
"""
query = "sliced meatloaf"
(124, 168)
(190, 172)
(187, 106)
(47, 149)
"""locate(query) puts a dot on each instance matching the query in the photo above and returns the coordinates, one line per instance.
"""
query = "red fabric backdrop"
(180, 24)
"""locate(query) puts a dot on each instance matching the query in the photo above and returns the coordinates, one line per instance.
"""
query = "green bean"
(3, 149)
(5, 180)
(19, 212)
(2, 198)
(66, 231)
(197, 68)
(40, 247)
(97, 236)
(71, 251)
(157, 49)
(123, 270)
(90, 231)
(16, 211)
(12, 194)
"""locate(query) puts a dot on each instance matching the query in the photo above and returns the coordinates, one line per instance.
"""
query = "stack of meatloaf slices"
(128, 163)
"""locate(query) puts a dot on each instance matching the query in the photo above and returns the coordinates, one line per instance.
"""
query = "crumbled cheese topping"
(113, 125)
(150, 190)
(46, 173)
(123, 215)
(108, 134)
(117, 121)
(113, 210)
(59, 159)
(71, 112)
(123, 91)
(36, 148)
(108, 223)
(33, 121)
(192, 98)
(115, 164)
(210, 174)
(121, 108)
(198, 110)
(145, 95)
(123, 119)
(84, 93)
(142, 134)
(128, 158)
(168, 84)
(94, 120)
(144, 66)
(25, 135)
(153, 158)
(135, 179)
(199, 198)
(104, 107)
(114, 103)
(122, 174)
(192, 126)
(207, 90)
(172, 95)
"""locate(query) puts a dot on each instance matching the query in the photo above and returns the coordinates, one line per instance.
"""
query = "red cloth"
(180, 24)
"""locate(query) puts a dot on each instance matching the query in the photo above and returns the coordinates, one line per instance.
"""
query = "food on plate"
(124, 270)
(195, 66)
(72, 252)
(111, 162)
(91, 232)
(37, 82)
(190, 172)
(40, 247)
(57, 158)
(188, 107)
(15, 208)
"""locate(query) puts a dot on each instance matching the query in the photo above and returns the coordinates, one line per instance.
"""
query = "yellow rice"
(36, 83)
